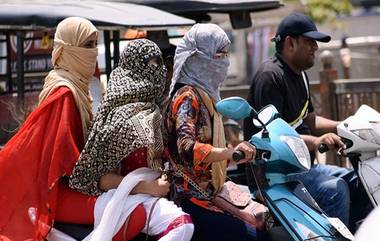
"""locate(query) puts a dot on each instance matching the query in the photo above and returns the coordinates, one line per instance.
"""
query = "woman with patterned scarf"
(122, 158)
(36, 162)
(197, 144)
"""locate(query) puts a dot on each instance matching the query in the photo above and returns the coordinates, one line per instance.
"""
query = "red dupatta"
(45, 148)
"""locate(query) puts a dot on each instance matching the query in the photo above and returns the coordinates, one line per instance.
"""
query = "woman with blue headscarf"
(196, 142)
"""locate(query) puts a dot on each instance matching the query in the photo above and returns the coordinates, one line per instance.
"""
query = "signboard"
(37, 52)
(34, 64)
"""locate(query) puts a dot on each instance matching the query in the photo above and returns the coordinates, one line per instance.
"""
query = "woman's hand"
(160, 187)
(248, 149)
(220, 154)
(157, 188)
(109, 181)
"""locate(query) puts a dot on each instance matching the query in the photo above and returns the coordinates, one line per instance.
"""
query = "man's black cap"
(297, 24)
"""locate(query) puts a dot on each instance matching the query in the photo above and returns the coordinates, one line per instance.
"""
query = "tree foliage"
(326, 11)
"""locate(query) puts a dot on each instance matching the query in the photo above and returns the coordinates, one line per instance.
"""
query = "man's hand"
(330, 139)
(248, 149)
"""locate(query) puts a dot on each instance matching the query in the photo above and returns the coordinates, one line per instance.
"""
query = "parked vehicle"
(361, 135)
(281, 153)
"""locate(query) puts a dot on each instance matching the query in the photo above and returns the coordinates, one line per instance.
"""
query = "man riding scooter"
(281, 81)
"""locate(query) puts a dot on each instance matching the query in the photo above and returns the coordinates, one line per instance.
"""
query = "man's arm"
(310, 141)
(320, 125)
(323, 131)
(326, 125)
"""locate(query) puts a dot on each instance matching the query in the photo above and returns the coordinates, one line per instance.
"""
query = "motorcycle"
(280, 154)
(361, 135)
(73, 232)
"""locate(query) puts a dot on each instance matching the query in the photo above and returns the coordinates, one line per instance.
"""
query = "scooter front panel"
(369, 174)
(298, 218)
(282, 159)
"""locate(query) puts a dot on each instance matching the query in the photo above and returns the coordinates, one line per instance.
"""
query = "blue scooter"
(281, 154)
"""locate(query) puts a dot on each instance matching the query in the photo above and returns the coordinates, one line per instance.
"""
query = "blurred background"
(346, 75)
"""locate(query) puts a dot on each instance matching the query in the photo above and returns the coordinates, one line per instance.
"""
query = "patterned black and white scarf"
(127, 119)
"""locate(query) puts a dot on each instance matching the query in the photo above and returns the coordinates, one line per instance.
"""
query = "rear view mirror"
(240, 19)
(235, 108)
(266, 115)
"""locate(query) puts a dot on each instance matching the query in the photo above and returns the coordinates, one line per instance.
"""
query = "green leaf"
(326, 11)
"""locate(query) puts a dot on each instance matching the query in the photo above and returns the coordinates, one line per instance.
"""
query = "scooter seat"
(80, 231)
(77, 231)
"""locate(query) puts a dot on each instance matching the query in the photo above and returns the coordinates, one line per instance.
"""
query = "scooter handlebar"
(322, 148)
(238, 155)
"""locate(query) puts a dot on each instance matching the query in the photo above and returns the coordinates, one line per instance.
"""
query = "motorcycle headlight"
(370, 135)
(299, 148)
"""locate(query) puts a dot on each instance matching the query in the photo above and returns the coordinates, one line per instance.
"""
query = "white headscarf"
(194, 62)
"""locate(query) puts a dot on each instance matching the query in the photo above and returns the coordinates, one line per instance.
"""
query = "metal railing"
(347, 96)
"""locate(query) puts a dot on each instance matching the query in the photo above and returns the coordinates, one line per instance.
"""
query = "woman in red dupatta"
(49, 142)
(35, 162)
